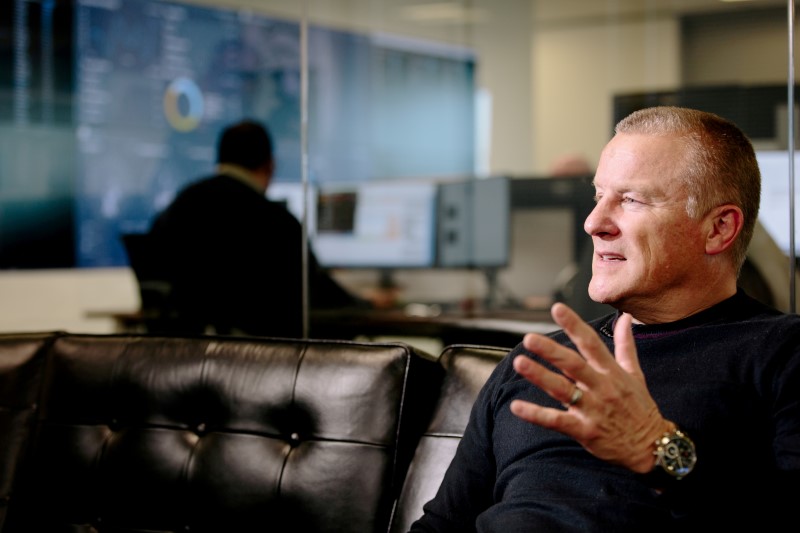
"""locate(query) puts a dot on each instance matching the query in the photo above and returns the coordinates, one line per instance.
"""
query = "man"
(233, 257)
(679, 412)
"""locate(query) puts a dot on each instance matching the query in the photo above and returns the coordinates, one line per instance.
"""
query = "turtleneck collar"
(724, 309)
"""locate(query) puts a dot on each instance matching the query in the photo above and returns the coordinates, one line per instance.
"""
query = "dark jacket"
(234, 259)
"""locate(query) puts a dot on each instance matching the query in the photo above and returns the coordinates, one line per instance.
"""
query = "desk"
(493, 328)
(500, 328)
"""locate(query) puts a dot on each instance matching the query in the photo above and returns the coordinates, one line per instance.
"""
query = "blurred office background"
(422, 134)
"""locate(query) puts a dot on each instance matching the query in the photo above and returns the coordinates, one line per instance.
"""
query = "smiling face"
(650, 256)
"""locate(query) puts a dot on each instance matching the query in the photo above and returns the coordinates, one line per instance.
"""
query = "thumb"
(625, 347)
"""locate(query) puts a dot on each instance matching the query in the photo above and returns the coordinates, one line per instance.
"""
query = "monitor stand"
(386, 279)
(388, 290)
(490, 273)
(497, 296)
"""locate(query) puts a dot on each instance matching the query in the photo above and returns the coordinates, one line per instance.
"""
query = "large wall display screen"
(150, 104)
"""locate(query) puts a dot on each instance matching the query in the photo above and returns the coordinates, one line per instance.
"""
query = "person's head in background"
(248, 144)
(677, 193)
(567, 165)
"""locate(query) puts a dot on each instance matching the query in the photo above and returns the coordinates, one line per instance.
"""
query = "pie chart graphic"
(183, 104)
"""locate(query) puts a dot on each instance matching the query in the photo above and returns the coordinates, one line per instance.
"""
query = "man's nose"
(599, 220)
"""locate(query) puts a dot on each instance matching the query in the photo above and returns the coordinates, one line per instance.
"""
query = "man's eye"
(629, 200)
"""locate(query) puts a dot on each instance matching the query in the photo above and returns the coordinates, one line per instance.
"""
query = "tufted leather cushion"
(139, 433)
(467, 369)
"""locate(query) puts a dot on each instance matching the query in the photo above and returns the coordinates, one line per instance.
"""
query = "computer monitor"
(474, 223)
(377, 225)
(774, 210)
(290, 194)
(385, 225)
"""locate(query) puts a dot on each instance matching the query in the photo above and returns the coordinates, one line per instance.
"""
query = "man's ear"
(725, 224)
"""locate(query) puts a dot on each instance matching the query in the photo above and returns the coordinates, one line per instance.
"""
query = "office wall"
(758, 39)
(571, 66)
(579, 67)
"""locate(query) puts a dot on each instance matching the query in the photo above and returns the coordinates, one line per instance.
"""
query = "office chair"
(155, 292)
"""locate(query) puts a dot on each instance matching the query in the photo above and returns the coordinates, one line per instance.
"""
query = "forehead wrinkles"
(654, 165)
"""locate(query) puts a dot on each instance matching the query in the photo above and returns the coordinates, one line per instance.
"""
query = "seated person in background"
(233, 257)
(680, 411)
(570, 165)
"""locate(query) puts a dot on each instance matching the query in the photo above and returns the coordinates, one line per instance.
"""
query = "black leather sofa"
(135, 433)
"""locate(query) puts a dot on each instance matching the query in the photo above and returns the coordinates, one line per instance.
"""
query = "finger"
(567, 360)
(547, 417)
(625, 347)
(555, 385)
(585, 338)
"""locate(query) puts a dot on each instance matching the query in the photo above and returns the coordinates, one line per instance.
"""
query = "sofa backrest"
(142, 433)
(22, 360)
(467, 368)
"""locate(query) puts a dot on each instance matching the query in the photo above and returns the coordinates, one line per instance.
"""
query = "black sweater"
(234, 260)
(729, 376)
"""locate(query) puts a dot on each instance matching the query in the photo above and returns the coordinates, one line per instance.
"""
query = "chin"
(609, 287)
(603, 296)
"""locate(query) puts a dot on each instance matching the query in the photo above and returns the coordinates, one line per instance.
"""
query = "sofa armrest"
(467, 367)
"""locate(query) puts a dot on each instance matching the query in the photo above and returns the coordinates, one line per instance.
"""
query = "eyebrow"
(648, 190)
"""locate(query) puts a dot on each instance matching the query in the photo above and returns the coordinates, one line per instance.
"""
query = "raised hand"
(609, 410)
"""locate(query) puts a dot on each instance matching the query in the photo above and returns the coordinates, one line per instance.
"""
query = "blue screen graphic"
(150, 104)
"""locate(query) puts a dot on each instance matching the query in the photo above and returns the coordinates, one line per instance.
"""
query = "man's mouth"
(610, 257)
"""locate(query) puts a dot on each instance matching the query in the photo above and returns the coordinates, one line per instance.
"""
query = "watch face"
(677, 454)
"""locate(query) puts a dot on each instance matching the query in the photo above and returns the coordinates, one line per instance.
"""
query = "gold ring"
(577, 394)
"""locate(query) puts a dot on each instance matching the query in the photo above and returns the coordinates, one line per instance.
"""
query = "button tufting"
(201, 428)
(295, 438)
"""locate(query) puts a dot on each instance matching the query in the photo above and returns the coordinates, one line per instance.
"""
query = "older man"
(681, 410)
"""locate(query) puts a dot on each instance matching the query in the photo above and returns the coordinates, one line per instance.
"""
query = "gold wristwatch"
(675, 454)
